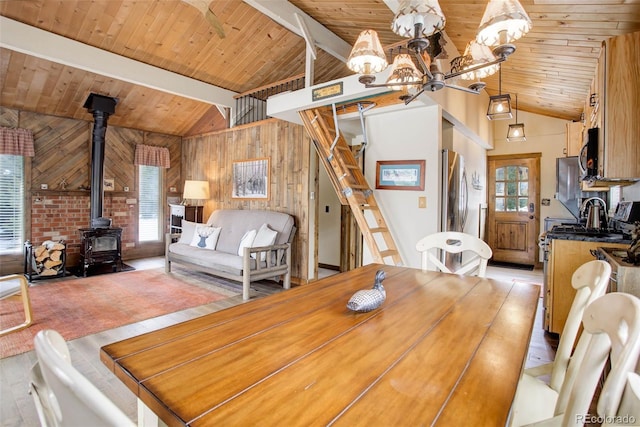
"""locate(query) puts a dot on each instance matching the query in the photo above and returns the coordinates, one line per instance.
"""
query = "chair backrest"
(611, 332)
(590, 281)
(629, 410)
(75, 400)
(42, 397)
(454, 242)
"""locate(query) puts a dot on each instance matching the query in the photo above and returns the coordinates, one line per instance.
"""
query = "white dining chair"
(16, 286)
(629, 410)
(611, 333)
(71, 399)
(536, 399)
(456, 243)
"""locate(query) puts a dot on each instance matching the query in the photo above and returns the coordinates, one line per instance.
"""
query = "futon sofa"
(242, 245)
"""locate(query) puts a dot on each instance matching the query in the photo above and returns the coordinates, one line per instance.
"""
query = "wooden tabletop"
(442, 349)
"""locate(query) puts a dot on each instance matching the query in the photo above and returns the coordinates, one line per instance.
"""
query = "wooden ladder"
(350, 184)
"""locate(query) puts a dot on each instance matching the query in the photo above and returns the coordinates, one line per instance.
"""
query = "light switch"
(422, 202)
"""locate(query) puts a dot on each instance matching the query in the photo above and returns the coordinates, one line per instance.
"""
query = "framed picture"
(109, 184)
(251, 179)
(400, 175)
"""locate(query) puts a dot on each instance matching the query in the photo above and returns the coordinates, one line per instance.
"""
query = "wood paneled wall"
(63, 152)
(211, 156)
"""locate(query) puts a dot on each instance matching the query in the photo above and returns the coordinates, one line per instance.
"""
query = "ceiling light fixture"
(516, 130)
(503, 22)
(499, 105)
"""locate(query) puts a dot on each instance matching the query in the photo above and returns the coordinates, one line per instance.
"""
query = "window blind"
(11, 203)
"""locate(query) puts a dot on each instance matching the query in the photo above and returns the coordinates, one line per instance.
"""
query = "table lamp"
(195, 190)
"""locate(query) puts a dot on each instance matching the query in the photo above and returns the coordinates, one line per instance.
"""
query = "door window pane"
(512, 182)
(149, 214)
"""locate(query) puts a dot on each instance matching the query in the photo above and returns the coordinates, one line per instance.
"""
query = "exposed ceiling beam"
(284, 13)
(33, 41)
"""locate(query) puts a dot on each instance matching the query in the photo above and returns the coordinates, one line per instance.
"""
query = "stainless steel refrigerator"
(454, 197)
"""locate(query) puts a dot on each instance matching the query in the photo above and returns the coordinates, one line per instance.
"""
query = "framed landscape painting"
(400, 175)
(251, 179)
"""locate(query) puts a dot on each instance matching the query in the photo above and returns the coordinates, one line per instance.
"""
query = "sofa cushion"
(188, 229)
(236, 222)
(264, 237)
(230, 263)
(205, 237)
(246, 241)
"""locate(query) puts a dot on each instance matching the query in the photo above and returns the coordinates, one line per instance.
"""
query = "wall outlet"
(422, 202)
(126, 188)
(44, 186)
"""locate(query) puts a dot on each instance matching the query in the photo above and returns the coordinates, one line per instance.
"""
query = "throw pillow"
(206, 237)
(247, 241)
(188, 229)
(265, 237)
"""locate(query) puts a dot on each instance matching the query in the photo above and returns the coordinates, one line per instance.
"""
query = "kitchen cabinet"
(574, 138)
(565, 257)
(619, 102)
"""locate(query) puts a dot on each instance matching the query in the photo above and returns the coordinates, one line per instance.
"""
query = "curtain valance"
(16, 141)
(149, 155)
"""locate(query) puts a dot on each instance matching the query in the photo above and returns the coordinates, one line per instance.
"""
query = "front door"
(514, 198)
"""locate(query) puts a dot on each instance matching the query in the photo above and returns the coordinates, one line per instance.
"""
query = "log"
(55, 255)
(42, 257)
(48, 272)
(39, 251)
(57, 247)
(49, 264)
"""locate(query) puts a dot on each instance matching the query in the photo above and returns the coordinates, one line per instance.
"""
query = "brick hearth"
(59, 217)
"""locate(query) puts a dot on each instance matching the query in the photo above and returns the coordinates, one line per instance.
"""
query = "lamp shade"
(403, 70)
(504, 21)
(516, 133)
(499, 107)
(427, 13)
(367, 56)
(196, 190)
(477, 54)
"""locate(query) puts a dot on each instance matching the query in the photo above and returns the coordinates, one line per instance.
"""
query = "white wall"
(412, 134)
(328, 222)
(547, 136)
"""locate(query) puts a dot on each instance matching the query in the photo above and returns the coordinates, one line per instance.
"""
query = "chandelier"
(422, 21)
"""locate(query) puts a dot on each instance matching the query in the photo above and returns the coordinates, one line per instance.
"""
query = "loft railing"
(252, 106)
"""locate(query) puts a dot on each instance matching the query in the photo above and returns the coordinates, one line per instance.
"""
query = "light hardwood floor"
(16, 406)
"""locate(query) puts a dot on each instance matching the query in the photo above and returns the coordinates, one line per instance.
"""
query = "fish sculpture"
(369, 299)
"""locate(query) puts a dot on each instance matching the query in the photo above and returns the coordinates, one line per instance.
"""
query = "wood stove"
(100, 246)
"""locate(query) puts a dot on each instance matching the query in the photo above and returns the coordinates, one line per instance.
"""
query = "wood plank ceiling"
(551, 70)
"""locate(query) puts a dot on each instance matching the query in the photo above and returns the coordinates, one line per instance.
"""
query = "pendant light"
(516, 130)
(499, 105)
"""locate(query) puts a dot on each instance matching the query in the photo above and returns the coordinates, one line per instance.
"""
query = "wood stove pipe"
(101, 107)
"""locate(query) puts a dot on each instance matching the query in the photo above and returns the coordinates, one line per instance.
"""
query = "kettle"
(596, 214)
(593, 217)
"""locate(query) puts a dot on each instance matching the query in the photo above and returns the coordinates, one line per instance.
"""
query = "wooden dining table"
(442, 349)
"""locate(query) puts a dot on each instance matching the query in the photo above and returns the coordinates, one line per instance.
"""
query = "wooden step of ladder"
(350, 184)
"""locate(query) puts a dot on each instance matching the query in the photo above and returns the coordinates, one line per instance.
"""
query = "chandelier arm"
(475, 68)
(464, 89)
(423, 65)
(412, 97)
(371, 85)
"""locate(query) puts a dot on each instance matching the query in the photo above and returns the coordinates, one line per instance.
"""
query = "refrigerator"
(454, 198)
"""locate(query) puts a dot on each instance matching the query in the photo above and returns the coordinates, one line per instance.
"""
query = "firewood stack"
(47, 258)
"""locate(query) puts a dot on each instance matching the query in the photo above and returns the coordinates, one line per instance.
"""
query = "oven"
(625, 276)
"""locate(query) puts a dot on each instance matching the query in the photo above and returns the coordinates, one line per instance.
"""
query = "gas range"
(625, 276)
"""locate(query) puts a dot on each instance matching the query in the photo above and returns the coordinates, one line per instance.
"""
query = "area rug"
(77, 307)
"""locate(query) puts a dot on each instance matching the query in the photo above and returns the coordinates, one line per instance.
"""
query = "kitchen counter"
(583, 235)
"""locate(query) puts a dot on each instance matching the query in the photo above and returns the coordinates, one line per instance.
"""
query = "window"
(512, 189)
(11, 203)
(149, 214)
